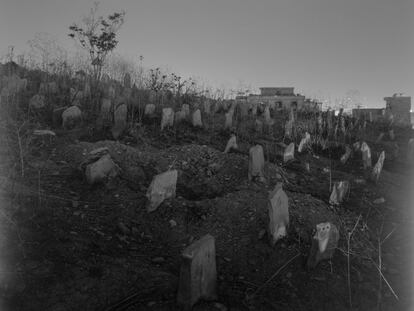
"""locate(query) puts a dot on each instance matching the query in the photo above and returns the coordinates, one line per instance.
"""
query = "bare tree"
(97, 35)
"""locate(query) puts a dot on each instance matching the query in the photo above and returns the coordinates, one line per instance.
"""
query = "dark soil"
(70, 246)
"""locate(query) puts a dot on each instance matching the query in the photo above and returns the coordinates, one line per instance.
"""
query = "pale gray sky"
(322, 47)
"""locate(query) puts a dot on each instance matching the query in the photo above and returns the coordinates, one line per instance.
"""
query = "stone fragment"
(149, 109)
(256, 163)
(162, 187)
(231, 144)
(71, 116)
(289, 153)
(37, 102)
(324, 243)
(44, 133)
(278, 211)
(198, 274)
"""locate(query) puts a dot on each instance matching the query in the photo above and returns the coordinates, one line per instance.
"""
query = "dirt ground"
(66, 245)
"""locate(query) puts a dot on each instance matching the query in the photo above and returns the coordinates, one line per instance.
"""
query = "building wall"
(276, 91)
(371, 114)
(400, 107)
(279, 101)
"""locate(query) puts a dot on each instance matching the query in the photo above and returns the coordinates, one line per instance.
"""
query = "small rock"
(173, 223)
(220, 306)
(360, 181)
(227, 259)
(123, 228)
(261, 234)
(151, 303)
(158, 259)
(379, 201)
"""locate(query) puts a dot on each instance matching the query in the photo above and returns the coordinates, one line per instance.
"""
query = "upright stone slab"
(207, 106)
(100, 170)
(48, 88)
(127, 80)
(256, 163)
(57, 119)
(231, 144)
(106, 107)
(376, 171)
(152, 97)
(258, 126)
(111, 92)
(244, 109)
(120, 121)
(278, 211)
(380, 137)
(289, 153)
(198, 274)
(410, 150)
(162, 187)
(71, 116)
(167, 118)
(149, 110)
(346, 155)
(197, 118)
(254, 109)
(366, 155)
(339, 191)
(324, 243)
(228, 123)
(75, 95)
(186, 109)
(304, 142)
(289, 128)
(266, 114)
(179, 116)
(391, 134)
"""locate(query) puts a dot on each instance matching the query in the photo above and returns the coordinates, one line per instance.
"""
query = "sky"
(323, 48)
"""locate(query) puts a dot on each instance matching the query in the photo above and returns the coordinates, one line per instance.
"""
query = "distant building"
(399, 107)
(281, 97)
(369, 114)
